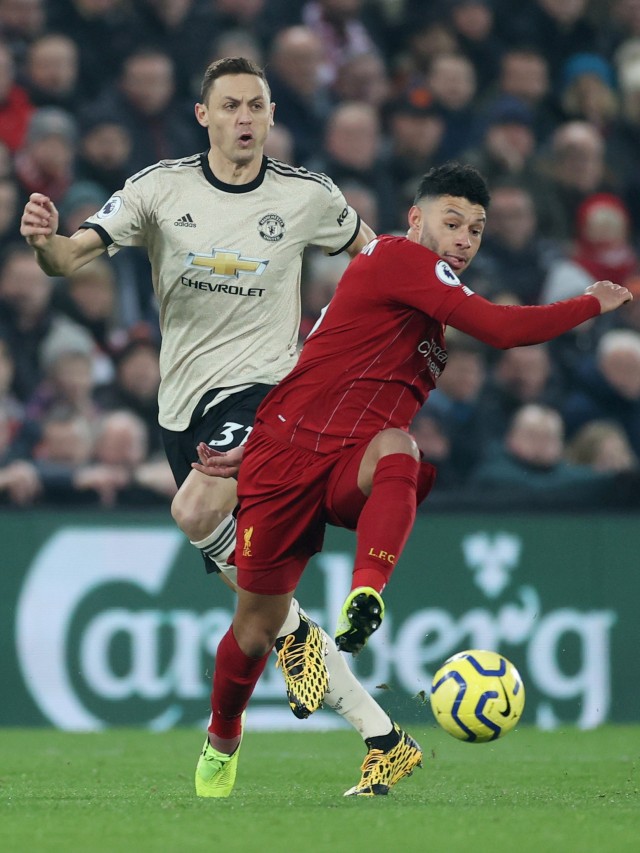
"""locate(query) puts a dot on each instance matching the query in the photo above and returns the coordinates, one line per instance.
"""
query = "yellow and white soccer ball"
(477, 696)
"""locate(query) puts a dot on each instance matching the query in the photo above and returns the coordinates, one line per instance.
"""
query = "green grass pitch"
(128, 790)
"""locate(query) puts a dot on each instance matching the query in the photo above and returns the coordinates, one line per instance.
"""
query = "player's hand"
(609, 295)
(39, 220)
(213, 463)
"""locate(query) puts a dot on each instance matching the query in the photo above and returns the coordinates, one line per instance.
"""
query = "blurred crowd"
(542, 96)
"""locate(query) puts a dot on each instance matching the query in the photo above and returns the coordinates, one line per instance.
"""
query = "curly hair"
(454, 179)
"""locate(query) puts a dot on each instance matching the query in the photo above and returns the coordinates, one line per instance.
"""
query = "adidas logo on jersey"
(185, 221)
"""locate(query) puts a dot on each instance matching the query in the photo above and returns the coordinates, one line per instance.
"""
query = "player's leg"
(240, 660)
(281, 507)
(388, 476)
(241, 657)
(203, 506)
(380, 501)
(203, 509)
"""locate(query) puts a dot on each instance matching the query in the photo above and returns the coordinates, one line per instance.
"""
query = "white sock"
(348, 697)
(219, 544)
(292, 621)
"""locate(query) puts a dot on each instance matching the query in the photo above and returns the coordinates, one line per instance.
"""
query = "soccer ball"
(477, 696)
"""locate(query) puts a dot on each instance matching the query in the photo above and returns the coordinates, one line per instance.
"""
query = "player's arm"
(57, 255)
(365, 235)
(505, 326)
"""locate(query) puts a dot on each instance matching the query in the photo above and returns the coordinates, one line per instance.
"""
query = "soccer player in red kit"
(330, 442)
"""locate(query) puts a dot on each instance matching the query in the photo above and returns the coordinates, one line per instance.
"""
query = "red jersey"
(377, 352)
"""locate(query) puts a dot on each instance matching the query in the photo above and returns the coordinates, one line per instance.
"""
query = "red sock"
(234, 679)
(386, 520)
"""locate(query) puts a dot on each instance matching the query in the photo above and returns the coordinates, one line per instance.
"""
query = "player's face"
(237, 115)
(451, 226)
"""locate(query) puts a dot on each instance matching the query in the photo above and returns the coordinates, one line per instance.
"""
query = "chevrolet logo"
(225, 263)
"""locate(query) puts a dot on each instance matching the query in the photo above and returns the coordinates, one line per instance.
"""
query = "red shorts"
(287, 495)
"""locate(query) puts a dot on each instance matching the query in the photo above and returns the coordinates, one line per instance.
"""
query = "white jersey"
(226, 261)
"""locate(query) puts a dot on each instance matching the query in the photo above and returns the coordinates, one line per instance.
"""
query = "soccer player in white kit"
(225, 232)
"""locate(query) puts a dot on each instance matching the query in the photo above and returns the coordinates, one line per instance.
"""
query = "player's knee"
(255, 639)
(196, 520)
(397, 441)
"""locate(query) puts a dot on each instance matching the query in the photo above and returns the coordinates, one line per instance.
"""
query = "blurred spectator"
(505, 153)
(15, 106)
(363, 77)
(524, 74)
(135, 386)
(177, 29)
(6, 429)
(81, 200)
(427, 36)
(252, 16)
(68, 382)
(353, 151)
(472, 22)
(66, 439)
(9, 212)
(456, 402)
(21, 21)
(45, 163)
(416, 128)
(623, 20)
(62, 462)
(145, 101)
(104, 33)
(280, 145)
(237, 42)
(520, 376)
(557, 28)
(89, 297)
(630, 313)
(12, 410)
(608, 386)
(321, 276)
(122, 443)
(51, 72)
(301, 99)
(528, 466)
(515, 259)
(20, 484)
(342, 33)
(365, 202)
(576, 165)
(508, 141)
(624, 142)
(604, 446)
(29, 324)
(452, 83)
(104, 152)
(602, 250)
(121, 440)
(434, 443)
(588, 90)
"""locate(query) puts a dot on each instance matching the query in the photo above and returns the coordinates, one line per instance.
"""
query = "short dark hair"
(226, 66)
(456, 180)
